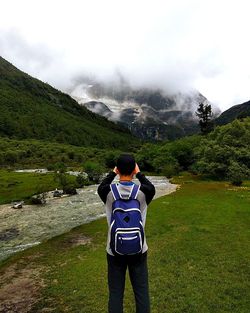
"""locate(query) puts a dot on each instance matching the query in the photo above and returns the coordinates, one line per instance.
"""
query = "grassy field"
(198, 258)
(20, 186)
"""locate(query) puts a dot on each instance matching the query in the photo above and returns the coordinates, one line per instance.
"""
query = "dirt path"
(20, 286)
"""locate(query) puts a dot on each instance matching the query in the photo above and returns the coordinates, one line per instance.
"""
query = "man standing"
(117, 264)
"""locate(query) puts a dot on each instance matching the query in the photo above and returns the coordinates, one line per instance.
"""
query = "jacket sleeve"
(104, 187)
(146, 187)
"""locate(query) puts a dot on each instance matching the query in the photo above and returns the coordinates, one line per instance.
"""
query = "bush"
(110, 159)
(183, 150)
(170, 170)
(165, 164)
(94, 171)
(39, 199)
(69, 190)
(237, 173)
(225, 150)
(50, 167)
(71, 155)
(81, 180)
(145, 156)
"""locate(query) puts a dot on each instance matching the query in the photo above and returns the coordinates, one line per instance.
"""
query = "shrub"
(81, 180)
(237, 173)
(170, 169)
(94, 171)
(110, 159)
(39, 199)
(69, 190)
(164, 162)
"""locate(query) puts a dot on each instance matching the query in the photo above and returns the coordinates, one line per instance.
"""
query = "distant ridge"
(235, 112)
(33, 109)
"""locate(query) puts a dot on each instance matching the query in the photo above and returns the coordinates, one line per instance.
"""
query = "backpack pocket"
(128, 242)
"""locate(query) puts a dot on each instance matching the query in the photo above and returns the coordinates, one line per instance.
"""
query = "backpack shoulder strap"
(115, 191)
(134, 191)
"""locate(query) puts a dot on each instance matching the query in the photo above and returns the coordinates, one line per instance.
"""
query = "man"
(126, 168)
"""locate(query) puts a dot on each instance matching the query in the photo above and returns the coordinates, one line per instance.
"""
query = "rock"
(9, 234)
(17, 205)
(57, 193)
(38, 200)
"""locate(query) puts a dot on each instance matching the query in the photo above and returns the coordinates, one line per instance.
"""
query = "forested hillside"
(238, 111)
(30, 153)
(33, 109)
(222, 154)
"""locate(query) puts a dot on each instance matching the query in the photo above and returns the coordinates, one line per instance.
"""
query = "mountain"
(33, 109)
(148, 113)
(235, 112)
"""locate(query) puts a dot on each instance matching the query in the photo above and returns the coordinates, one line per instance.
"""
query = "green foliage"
(38, 153)
(163, 162)
(69, 189)
(204, 112)
(237, 173)
(39, 198)
(81, 180)
(94, 171)
(110, 159)
(145, 156)
(62, 179)
(60, 167)
(224, 150)
(215, 155)
(170, 169)
(21, 186)
(168, 158)
(33, 109)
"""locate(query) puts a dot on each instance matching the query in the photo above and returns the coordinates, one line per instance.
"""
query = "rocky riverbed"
(30, 225)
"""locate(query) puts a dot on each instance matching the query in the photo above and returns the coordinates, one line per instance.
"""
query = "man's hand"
(115, 170)
(136, 170)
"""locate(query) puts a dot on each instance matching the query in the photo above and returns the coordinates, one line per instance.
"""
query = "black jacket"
(146, 186)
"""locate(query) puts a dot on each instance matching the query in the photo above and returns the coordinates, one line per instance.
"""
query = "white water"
(34, 224)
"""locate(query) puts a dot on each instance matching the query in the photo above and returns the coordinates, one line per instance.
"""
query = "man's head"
(125, 164)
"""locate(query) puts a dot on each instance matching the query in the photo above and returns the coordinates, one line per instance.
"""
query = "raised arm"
(104, 187)
(146, 187)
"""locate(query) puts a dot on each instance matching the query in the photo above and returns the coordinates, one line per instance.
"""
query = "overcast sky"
(175, 45)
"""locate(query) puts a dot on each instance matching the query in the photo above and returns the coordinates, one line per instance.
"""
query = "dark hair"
(125, 164)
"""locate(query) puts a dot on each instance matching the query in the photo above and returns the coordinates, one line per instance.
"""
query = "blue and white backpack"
(126, 228)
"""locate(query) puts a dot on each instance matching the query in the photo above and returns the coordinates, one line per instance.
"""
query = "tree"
(94, 171)
(237, 173)
(81, 180)
(224, 153)
(204, 112)
(60, 175)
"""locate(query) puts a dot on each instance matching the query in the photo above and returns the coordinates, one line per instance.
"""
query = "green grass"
(198, 258)
(20, 186)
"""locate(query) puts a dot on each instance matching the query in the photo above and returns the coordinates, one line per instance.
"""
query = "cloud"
(175, 45)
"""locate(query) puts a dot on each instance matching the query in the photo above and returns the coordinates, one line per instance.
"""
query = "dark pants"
(138, 273)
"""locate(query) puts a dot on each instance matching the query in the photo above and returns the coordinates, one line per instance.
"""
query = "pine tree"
(204, 112)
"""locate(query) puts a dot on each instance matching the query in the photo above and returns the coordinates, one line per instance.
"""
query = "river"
(29, 226)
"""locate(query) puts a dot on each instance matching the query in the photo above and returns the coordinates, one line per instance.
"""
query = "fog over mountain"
(175, 46)
(149, 112)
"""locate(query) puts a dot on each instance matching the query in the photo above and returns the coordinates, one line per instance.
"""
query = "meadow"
(198, 258)
(17, 186)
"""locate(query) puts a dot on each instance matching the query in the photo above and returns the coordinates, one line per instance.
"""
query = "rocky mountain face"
(148, 113)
